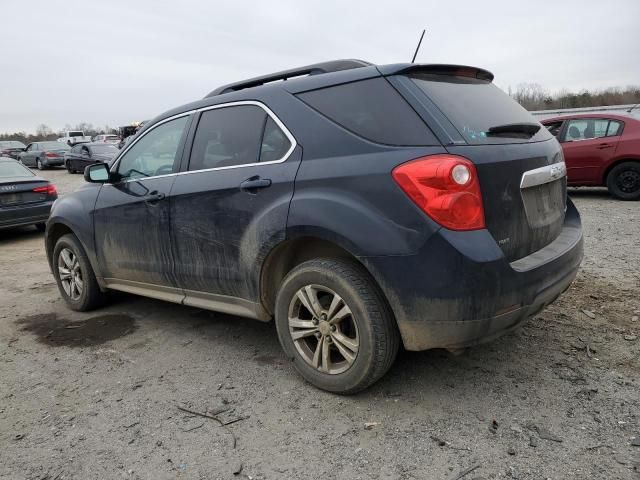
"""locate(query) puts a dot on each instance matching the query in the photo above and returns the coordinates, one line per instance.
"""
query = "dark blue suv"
(359, 206)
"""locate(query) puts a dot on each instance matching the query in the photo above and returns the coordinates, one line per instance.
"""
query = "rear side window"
(373, 110)
(275, 143)
(227, 137)
(474, 106)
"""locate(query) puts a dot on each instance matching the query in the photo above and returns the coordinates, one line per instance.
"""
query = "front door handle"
(604, 145)
(253, 184)
(154, 197)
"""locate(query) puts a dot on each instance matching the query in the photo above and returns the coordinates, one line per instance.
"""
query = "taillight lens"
(446, 188)
(48, 189)
(51, 154)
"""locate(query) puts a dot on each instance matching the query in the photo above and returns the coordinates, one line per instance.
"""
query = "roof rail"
(315, 69)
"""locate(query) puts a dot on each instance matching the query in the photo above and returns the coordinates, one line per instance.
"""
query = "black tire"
(377, 332)
(69, 169)
(41, 227)
(91, 295)
(39, 164)
(623, 181)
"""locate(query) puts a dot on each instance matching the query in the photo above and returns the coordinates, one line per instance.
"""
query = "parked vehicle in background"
(44, 154)
(74, 136)
(81, 155)
(11, 148)
(24, 198)
(600, 150)
(107, 139)
(358, 205)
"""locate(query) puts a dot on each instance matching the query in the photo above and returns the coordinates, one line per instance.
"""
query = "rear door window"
(227, 137)
(373, 110)
(474, 106)
(588, 128)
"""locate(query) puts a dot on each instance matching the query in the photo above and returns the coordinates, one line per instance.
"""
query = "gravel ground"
(97, 395)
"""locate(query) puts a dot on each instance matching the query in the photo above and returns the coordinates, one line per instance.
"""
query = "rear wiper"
(514, 129)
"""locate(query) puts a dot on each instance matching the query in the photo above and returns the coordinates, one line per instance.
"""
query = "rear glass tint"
(371, 109)
(473, 106)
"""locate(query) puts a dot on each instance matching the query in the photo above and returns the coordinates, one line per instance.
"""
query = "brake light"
(51, 155)
(49, 189)
(445, 187)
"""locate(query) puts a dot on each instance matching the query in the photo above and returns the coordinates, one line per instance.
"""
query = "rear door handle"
(253, 184)
(154, 197)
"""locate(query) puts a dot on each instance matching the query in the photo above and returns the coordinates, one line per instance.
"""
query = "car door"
(71, 158)
(131, 216)
(28, 157)
(230, 207)
(588, 144)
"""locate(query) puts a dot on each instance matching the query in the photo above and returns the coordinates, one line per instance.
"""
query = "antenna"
(413, 60)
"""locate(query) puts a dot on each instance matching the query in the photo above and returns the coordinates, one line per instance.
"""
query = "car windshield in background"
(54, 146)
(14, 169)
(105, 149)
(479, 110)
(12, 144)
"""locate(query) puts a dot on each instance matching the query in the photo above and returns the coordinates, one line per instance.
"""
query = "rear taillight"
(51, 154)
(446, 187)
(48, 189)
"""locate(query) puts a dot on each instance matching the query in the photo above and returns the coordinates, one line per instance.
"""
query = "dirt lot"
(96, 395)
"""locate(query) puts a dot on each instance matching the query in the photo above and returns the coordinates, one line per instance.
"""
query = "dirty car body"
(336, 164)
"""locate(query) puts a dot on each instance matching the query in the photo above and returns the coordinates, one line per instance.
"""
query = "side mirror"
(96, 173)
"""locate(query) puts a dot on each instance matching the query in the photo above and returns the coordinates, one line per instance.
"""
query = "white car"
(73, 137)
(107, 138)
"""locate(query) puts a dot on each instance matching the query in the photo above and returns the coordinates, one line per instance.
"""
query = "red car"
(600, 150)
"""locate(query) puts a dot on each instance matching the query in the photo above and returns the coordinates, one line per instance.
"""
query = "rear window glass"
(105, 149)
(76, 134)
(54, 146)
(13, 169)
(371, 109)
(12, 144)
(473, 106)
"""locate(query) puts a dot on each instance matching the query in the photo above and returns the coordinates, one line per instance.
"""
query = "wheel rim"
(323, 329)
(629, 181)
(70, 274)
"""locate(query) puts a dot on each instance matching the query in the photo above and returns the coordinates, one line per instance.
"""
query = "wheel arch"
(298, 249)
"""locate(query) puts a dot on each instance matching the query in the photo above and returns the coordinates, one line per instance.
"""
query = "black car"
(24, 198)
(44, 154)
(11, 148)
(83, 154)
(357, 205)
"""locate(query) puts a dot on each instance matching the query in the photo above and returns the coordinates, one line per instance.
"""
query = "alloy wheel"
(323, 329)
(70, 274)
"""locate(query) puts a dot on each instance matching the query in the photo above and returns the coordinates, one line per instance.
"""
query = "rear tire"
(39, 164)
(69, 169)
(623, 181)
(361, 345)
(74, 275)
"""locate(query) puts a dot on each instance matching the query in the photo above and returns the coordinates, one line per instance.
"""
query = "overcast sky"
(114, 62)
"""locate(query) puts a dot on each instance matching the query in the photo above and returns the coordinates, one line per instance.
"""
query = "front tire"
(75, 277)
(335, 325)
(623, 181)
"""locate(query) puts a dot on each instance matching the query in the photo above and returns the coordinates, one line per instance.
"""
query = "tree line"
(45, 133)
(531, 96)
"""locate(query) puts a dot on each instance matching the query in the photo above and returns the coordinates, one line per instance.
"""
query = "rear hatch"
(519, 164)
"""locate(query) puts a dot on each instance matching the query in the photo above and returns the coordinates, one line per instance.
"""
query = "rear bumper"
(24, 215)
(460, 290)
(52, 161)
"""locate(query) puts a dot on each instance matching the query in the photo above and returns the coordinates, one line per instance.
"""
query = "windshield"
(475, 106)
(105, 149)
(54, 146)
(12, 144)
(14, 169)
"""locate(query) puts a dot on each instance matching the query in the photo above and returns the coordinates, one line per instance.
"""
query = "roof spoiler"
(439, 69)
(315, 69)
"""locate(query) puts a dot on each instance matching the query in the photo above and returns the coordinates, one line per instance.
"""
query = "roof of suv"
(316, 76)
